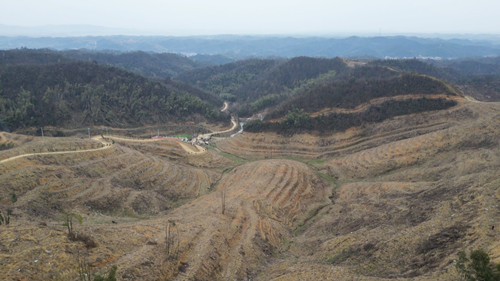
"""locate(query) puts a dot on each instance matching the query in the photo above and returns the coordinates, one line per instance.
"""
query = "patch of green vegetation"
(111, 275)
(5, 219)
(316, 161)
(280, 251)
(7, 145)
(477, 267)
(295, 158)
(310, 217)
(72, 94)
(344, 255)
(183, 136)
(128, 213)
(326, 177)
(300, 229)
(236, 159)
(227, 96)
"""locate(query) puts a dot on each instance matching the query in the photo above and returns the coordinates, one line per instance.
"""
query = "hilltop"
(47, 89)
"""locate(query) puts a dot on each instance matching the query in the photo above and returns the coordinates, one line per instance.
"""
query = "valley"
(344, 170)
(397, 199)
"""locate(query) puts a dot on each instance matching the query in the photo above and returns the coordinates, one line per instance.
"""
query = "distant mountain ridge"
(269, 46)
(152, 65)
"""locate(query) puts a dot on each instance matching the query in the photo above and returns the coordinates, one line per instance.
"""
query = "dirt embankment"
(343, 143)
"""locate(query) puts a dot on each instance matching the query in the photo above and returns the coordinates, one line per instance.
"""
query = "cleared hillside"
(394, 200)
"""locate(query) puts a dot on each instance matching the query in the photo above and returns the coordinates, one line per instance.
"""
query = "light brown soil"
(390, 201)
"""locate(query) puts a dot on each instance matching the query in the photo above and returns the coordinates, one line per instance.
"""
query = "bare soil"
(395, 200)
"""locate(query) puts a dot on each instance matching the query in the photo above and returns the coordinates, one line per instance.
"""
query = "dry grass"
(408, 194)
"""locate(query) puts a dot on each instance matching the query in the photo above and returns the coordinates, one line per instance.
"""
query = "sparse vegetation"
(223, 201)
(172, 240)
(78, 236)
(111, 275)
(7, 145)
(13, 197)
(85, 270)
(5, 219)
(69, 223)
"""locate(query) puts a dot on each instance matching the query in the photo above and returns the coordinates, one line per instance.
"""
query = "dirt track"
(196, 149)
(235, 125)
(106, 146)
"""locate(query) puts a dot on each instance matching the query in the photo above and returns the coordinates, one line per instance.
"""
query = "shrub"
(111, 275)
(5, 146)
(477, 267)
(5, 219)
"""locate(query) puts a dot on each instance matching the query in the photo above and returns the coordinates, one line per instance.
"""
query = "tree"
(477, 267)
(69, 223)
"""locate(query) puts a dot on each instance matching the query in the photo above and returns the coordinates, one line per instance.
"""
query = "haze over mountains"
(239, 47)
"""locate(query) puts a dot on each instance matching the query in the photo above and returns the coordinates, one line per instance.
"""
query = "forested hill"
(260, 83)
(229, 78)
(268, 46)
(297, 114)
(351, 93)
(28, 56)
(288, 76)
(73, 94)
(153, 65)
(479, 77)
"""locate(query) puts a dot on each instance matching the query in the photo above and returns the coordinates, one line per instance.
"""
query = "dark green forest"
(357, 91)
(259, 83)
(480, 77)
(298, 121)
(73, 94)
(227, 79)
(152, 65)
(164, 65)
(84, 88)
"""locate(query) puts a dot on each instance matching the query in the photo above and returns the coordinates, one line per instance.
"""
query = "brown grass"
(405, 196)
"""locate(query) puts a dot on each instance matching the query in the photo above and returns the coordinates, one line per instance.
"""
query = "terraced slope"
(118, 179)
(395, 200)
(264, 200)
(354, 139)
(404, 209)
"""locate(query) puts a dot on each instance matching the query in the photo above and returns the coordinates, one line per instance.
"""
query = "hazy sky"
(189, 17)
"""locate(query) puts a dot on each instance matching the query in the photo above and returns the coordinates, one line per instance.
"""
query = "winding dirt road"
(189, 148)
(235, 125)
(97, 138)
(226, 105)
